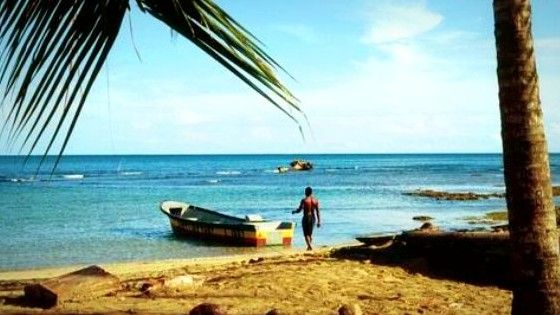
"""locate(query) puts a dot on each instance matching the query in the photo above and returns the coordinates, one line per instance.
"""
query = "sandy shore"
(293, 282)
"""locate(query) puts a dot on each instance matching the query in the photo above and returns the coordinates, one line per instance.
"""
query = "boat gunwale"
(242, 225)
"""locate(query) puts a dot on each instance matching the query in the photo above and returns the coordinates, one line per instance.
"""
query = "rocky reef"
(443, 195)
(446, 195)
(301, 165)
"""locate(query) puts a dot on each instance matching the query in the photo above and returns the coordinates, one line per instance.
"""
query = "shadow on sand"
(22, 301)
(9, 298)
(480, 258)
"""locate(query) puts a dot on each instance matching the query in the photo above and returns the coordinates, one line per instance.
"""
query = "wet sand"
(291, 281)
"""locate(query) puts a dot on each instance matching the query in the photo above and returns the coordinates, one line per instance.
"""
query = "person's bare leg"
(308, 241)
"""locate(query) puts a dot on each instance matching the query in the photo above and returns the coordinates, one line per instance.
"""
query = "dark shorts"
(307, 223)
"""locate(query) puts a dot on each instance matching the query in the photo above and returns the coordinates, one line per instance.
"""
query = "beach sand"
(291, 281)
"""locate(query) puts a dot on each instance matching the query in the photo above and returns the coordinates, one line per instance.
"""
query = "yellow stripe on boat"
(189, 220)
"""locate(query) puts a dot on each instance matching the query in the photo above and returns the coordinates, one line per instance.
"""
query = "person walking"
(311, 214)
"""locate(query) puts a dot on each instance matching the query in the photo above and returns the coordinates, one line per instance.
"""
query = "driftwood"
(89, 282)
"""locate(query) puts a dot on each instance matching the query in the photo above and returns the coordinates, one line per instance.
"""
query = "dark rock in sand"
(207, 309)
(145, 286)
(273, 312)
(345, 310)
(422, 218)
(442, 195)
(349, 310)
(256, 260)
(89, 282)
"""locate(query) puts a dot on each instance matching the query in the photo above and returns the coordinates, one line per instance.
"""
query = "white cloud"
(390, 23)
(409, 96)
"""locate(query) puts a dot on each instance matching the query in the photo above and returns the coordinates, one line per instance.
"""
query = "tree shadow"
(8, 297)
(480, 260)
(22, 301)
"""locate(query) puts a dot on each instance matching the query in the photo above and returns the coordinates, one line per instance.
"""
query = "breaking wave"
(73, 176)
(228, 173)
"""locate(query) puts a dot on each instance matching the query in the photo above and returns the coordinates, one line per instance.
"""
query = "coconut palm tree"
(532, 219)
(51, 52)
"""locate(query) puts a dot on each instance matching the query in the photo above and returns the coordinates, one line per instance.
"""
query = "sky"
(371, 76)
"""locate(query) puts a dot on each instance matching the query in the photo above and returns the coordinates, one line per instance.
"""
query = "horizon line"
(244, 154)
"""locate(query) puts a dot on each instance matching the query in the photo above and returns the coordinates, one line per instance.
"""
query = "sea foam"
(228, 173)
(130, 173)
(73, 176)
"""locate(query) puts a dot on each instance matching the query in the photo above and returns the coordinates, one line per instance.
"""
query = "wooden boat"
(193, 221)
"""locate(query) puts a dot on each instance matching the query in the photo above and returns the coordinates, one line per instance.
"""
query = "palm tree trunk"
(532, 218)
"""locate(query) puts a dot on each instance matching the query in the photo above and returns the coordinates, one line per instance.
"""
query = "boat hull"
(238, 233)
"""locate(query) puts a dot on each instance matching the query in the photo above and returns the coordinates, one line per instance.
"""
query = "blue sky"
(372, 76)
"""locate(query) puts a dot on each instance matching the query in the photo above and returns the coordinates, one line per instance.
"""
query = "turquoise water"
(96, 209)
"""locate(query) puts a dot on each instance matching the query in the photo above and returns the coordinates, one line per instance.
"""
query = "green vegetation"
(489, 218)
(497, 215)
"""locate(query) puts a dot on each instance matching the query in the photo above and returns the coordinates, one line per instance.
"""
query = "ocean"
(100, 209)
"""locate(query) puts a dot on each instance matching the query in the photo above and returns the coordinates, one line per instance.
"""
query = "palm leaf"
(51, 52)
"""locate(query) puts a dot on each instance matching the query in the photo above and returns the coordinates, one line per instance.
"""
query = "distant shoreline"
(259, 154)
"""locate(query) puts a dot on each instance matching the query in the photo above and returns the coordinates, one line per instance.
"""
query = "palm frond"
(51, 52)
(221, 37)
